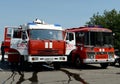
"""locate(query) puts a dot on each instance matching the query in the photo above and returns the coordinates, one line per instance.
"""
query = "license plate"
(101, 60)
(48, 59)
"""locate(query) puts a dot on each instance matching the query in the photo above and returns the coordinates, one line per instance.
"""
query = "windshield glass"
(99, 38)
(46, 34)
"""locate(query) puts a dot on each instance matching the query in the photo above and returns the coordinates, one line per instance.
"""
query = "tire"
(77, 62)
(57, 66)
(69, 61)
(104, 65)
(23, 64)
(70, 57)
(112, 64)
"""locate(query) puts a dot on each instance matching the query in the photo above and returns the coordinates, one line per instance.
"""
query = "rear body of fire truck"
(90, 45)
(36, 42)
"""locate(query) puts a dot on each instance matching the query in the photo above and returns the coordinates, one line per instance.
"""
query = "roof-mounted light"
(37, 21)
(31, 24)
(57, 25)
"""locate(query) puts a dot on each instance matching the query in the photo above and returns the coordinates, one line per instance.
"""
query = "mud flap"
(13, 56)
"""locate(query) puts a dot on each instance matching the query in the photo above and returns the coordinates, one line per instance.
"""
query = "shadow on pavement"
(74, 75)
(84, 67)
(20, 70)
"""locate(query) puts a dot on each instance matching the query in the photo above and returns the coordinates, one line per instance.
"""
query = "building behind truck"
(90, 45)
(36, 42)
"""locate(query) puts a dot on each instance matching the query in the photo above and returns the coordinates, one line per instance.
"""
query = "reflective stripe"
(46, 44)
(47, 58)
(50, 45)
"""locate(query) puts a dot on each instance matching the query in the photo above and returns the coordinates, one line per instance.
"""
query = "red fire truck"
(36, 42)
(87, 45)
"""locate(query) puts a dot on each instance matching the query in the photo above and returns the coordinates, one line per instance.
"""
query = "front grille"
(48, 52)
(101, 55)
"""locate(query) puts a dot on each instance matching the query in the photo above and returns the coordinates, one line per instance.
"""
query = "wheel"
(69, 62)
(113, 63)
(70, 57)
(56, 66)
(22, 60)
(23, 64)
(77, 62)
(104, 65)
(14, 65)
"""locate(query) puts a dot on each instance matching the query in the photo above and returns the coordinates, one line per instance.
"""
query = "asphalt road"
(91, 74)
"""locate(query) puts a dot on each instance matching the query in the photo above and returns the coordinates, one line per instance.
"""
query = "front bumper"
(94, 61)
(47, 59)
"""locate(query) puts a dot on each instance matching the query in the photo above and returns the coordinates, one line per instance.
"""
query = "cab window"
(70, 36)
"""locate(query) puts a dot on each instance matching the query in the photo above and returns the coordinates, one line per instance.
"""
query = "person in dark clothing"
(2, 51)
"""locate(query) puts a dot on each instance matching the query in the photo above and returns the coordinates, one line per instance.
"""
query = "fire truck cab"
(36, 42)
(90, 45)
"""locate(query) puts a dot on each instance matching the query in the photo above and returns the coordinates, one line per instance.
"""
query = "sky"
(67, 13)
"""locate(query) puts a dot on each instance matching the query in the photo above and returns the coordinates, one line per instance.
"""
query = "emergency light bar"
(57, 25)
(38, 24)
(31, 24)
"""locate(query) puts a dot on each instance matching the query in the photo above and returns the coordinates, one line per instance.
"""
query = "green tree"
(109, 19)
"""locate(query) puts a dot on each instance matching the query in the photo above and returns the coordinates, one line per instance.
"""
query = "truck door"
(19, 41)
(70, 42)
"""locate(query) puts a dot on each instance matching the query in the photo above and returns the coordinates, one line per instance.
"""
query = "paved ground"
(92, 74)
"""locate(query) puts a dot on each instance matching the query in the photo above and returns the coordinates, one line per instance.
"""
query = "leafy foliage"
(109, 19)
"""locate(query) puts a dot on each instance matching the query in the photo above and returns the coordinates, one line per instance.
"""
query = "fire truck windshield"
(99, 39)
(46, 34)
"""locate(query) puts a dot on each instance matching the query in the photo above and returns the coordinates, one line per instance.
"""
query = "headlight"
(111, 55)
(90, 55)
